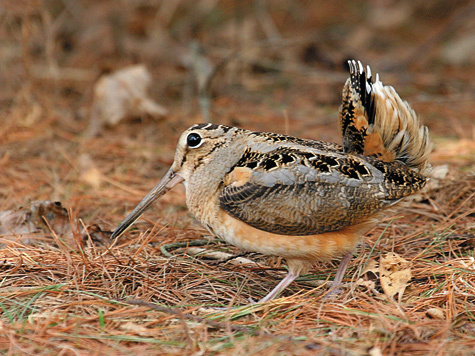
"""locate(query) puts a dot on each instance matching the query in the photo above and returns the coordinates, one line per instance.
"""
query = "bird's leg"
(340, 273)
(289, 278)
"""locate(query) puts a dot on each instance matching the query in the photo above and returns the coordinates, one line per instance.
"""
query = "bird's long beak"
(168, 182)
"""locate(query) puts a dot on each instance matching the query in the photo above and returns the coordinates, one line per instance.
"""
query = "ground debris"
(45, 221)
(120, 95)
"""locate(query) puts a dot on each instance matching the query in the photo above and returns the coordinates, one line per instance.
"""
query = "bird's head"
(196, 146)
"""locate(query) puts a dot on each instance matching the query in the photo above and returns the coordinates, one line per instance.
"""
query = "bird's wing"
(305, 191)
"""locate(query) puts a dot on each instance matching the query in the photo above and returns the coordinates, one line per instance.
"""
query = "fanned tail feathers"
(376, 122)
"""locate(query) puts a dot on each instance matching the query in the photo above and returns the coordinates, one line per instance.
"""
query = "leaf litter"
(66, 289)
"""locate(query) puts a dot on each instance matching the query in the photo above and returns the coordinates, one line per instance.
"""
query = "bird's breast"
(236, 232)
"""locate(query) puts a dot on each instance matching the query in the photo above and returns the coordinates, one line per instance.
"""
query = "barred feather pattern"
(377, 122)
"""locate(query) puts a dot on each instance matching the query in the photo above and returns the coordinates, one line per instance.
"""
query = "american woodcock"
(302, 199)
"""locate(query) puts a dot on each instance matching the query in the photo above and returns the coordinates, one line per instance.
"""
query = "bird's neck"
(203, 185)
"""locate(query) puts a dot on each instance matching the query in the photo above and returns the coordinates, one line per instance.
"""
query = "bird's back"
(293, 186)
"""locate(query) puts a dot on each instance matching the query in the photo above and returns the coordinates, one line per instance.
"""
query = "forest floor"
(67, 289)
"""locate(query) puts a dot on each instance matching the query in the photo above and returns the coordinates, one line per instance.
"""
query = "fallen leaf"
(435, 313)
(375, 351)
(19, 224)
(45, 217)
(395, 274)
(135, 328)
(89, 172)
(371, 268)
(120, 95)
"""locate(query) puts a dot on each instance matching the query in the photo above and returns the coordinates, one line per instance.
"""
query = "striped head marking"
(194, 148)
(197, 144)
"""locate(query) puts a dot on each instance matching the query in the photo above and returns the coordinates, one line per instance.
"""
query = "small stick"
(175, 245)
(212, 323)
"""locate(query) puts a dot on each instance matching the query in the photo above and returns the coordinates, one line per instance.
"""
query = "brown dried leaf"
(435, 313)
(89, 172)
(395, 274)
(369, 275)
(120, 95)
(371, 267)
(16, 225)
(48, 218)
(135, 328)
(375, 351)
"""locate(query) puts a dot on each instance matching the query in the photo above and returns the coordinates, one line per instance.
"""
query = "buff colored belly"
(312, 247)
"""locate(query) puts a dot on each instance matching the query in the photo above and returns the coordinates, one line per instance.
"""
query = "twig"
(212, 323)
(175, 245)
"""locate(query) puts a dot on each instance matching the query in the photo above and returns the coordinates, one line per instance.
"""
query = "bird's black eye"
(193, 140)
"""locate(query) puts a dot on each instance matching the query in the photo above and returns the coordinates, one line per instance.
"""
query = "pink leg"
(289, 278)
(340, 273)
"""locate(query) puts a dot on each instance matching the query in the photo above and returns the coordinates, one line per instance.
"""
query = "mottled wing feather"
(310, 192)
(376, 122)
(300, 209)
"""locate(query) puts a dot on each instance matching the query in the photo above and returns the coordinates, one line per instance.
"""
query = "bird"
(301, 199)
